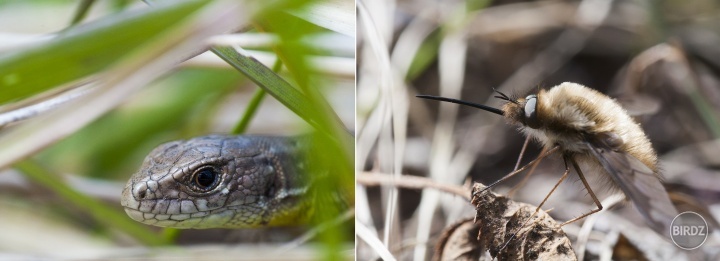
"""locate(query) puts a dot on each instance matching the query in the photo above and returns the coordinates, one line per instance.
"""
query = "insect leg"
(522, 152)
(518, 170)
(527, 176)
(592, 194)
(564, 176)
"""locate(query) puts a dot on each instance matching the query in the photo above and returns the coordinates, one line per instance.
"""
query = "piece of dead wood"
(460, 242)
(507, 230)
(510, 231)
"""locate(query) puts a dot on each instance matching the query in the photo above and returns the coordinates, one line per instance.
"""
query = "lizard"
(224, 181)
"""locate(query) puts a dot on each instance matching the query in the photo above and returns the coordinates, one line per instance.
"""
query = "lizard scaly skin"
(222, 182)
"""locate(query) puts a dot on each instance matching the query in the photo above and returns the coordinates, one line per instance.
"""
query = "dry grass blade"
(366, 235)
(507, 232)
(336, 15)
(39, 104)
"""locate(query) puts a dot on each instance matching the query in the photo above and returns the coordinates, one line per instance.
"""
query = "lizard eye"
(206, 178)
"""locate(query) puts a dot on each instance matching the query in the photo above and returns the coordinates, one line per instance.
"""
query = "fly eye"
(531, 119)
(206, 178)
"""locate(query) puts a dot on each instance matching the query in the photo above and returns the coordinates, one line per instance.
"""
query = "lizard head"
(211, 181)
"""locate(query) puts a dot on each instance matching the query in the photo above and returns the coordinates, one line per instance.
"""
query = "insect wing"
(640, 185)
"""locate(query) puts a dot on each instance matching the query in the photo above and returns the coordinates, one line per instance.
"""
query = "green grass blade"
(270, 82)
(257, 98)
(84, 50)
(81, 11)
(252, 107)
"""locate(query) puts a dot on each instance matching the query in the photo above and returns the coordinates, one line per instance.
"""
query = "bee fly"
(592, 132)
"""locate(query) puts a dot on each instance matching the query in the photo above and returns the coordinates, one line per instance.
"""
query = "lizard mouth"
(168, 212)
(134, 214)
(174, 221)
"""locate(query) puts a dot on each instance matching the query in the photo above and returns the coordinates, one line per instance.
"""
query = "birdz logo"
(688, 230)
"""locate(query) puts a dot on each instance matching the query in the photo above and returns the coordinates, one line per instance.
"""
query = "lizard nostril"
(140, 191)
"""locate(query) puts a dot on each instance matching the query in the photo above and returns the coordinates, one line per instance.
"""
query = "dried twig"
(411, 182)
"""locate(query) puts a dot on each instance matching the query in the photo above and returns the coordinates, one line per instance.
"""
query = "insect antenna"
(502, 96)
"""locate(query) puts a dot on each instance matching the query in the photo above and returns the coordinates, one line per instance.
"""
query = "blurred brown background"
(660, 59)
